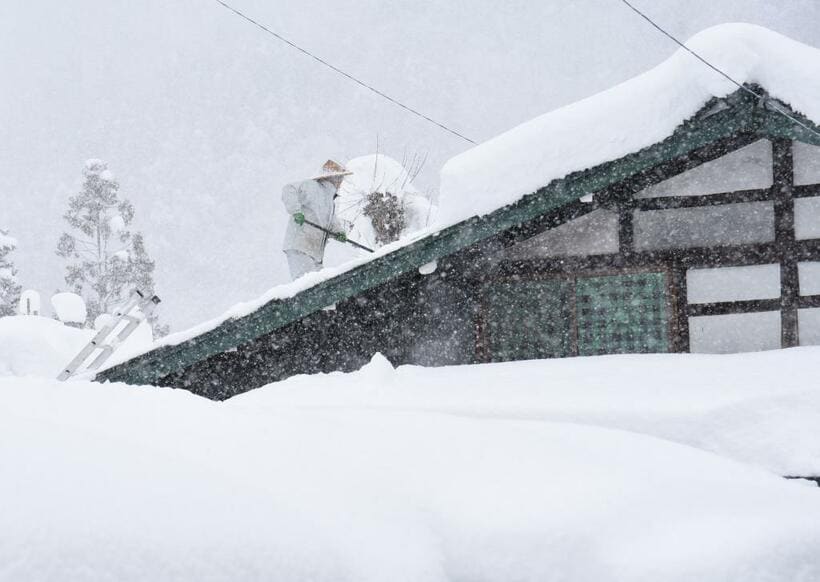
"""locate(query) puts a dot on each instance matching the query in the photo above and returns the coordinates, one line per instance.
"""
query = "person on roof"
(310, 203)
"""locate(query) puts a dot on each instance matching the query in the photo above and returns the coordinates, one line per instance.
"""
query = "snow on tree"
(106, 260)
(9, 285)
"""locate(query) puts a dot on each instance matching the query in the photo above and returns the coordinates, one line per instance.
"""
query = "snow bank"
(125, 483)
(759, 408)
(628, 117)
(38, 346)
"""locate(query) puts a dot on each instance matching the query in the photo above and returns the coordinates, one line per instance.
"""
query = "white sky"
(203, 118)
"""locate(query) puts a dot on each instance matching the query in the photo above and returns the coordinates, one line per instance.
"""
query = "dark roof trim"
(743, 114)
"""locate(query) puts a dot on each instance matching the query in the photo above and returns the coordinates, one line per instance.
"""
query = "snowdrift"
(477, 473)
(760, 408)
(38, 346)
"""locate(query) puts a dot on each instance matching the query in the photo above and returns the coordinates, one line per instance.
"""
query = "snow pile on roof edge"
(628, 117)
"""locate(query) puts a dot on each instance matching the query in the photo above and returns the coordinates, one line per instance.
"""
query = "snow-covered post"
(29, 303)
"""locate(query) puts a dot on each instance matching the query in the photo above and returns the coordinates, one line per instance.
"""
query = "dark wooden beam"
(785, 240)
(806, 191)
(626, 228)
(727, 307)
(687, 258)
(808, 301)
(738, 197)
(680, 338)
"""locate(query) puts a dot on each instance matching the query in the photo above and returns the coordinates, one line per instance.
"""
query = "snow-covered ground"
(618, 468)
(38, 346)
(123, 483)
(760, 408)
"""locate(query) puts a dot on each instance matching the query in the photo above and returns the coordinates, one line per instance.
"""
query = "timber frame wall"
(785, 249)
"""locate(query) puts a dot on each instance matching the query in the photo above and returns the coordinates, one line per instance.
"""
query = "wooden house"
(707, 240)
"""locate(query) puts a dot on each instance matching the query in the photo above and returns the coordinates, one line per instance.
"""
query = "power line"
(341, 72)
(768, 101)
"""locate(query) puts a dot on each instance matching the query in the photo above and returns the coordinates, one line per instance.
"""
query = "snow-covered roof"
(611, 125)
(628, 117)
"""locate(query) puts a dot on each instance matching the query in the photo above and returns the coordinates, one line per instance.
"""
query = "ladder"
(133, 311)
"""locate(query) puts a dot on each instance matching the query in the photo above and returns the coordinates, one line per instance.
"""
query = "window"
(730, 224)
(622, 314)
(736, 332)
(528, 319)
(733, 283)
(748, 168)
(587, 315)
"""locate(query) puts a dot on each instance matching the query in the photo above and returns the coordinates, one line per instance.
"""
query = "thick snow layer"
(628, 117)
(759, 408)
(69, 307)
(137, 483)
(39, 346)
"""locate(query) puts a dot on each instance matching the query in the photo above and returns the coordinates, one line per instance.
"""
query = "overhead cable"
(341, 72)
(769, 102)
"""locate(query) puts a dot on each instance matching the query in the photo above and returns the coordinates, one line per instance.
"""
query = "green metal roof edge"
(743, 115)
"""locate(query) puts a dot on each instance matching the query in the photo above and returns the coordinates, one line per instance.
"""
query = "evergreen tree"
(9, 286)
(106, 261)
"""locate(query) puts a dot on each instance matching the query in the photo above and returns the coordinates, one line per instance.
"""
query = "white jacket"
(314, 199)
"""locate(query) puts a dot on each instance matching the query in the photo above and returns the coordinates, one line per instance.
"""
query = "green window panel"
(622, 314)
(529, 319)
